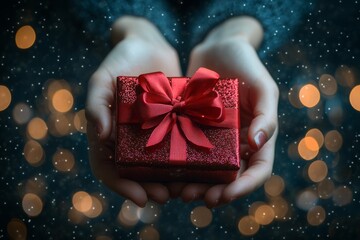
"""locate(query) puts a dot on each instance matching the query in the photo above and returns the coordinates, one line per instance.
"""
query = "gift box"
(178, 128)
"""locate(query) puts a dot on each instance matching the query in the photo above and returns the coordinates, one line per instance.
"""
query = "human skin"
(136, 51)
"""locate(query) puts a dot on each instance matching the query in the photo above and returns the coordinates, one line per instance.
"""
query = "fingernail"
(260, 139)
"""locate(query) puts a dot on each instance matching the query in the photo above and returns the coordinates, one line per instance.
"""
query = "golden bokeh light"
(80, 122)
(53, 85)
(317, 171)
(34, 153)
(21, 113)
(149, 233)
(333, 141)
(63, 160)
(342, 196)
(354, 98)
(60, 124)
(148, 214)
(309, 95)
(345, 76)
(17, 229)
(280, 207)
(201, 216)
(32, 204)
(75, 216)
(128, 215)
(325, 188)
(248, 226)
(5, 97)
(306, 199)
(25, 37)
(62, 100)
(308, 148)
(96, 208)
(317, 135)
(293, 96)
(316, 216)
(37, 128)
(82, 201)
(327, 84)
(264, 214)
(274, 186)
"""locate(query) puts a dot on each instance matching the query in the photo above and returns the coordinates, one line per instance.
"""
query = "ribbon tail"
(194, 134)
(177, 147)
(160, 131)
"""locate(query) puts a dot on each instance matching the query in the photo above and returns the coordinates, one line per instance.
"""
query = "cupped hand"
(230, 50)
(139, 48)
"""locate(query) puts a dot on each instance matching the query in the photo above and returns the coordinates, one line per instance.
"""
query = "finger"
(175, 188)
(264, 124)
(213, 195)
(259, 170)
(100, 97)
(156, 192)
(194, 191)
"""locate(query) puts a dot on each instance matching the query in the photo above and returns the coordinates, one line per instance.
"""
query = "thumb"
(100, 98)
(264, 123)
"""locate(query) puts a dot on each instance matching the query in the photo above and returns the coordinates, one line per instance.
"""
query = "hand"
(139, 48)
(230, 50)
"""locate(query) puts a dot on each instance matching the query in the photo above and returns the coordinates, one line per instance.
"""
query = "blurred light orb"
(317, 171)
(316, 216)
(293, 96)
(33, 153)
(149, 233)
(25, 37)
(75, 216)
(148, 214)
(309, 95)
(21, 113)
(17, 229)
(264, 214)
(342, 196)
(327, 84)
(317, 135)
(325, 188)
(306, 199)
(82, 201)
(5, 97)
(280, 207)
(274, 186)
(345, 76)
(308, 148)
(201, 216)
(248, 226)
(96, 208)
(37, 128)
(63, 160)
(354, 98)
(32, 204)
(333, 141)
(80, 121)
(62, 100)
(128, 216)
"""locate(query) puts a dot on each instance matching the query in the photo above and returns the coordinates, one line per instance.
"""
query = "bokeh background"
(48, 191)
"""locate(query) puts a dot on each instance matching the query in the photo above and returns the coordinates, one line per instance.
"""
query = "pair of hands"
(229, 50)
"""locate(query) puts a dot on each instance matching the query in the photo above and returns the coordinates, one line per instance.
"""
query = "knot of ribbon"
(178, 108)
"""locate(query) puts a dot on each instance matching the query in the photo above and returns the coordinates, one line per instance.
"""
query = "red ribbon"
(179, 107)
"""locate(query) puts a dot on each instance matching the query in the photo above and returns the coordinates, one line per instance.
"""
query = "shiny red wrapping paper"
(134, 161)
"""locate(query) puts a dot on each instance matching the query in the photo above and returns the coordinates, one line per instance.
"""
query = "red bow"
(178, 107)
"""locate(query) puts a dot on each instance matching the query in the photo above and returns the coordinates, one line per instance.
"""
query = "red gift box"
(178, 128)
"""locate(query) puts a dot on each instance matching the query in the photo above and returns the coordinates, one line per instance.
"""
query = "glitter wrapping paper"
(134, 161)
